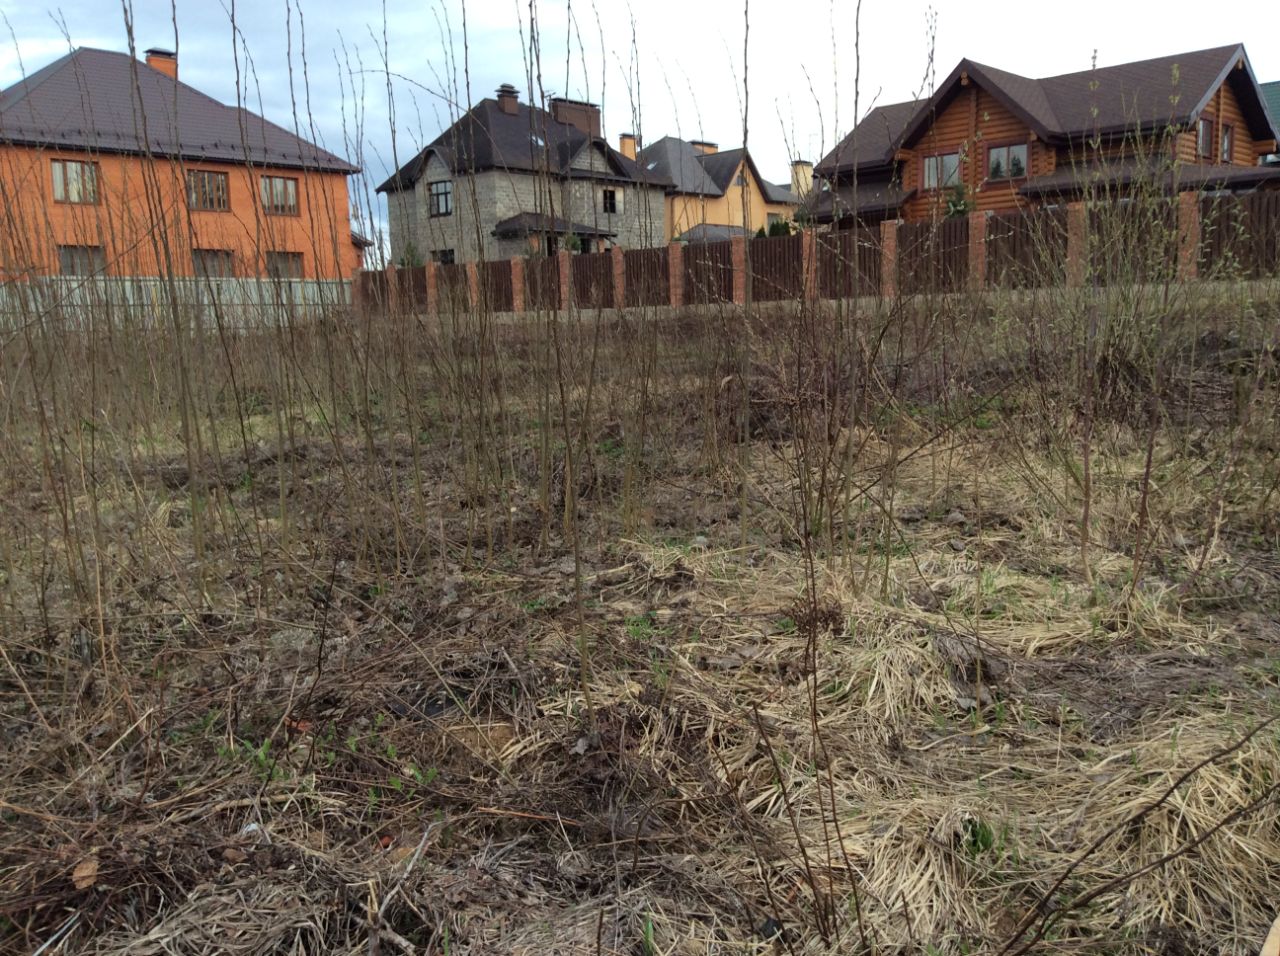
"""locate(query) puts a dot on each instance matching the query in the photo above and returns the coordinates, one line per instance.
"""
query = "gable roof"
(677, 161)
(1144, 95)
(528, 140)
(710, 232)
(109, 102)
(779, 194)
(722, 165)
(872, 142)
(705, 174)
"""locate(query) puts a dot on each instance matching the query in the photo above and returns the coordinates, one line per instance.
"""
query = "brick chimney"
(578, 113)
(627, 145)
(703, 148)
(801, 178)
(508, 98)
(166, 61)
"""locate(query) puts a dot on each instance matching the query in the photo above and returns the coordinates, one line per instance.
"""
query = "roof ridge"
(1149, 59)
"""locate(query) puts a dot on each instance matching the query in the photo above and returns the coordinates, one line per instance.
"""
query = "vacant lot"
(940, 628)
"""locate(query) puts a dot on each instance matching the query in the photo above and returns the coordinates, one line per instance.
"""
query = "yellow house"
(715, 194)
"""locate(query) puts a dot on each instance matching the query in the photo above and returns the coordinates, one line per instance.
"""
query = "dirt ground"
(424, 717)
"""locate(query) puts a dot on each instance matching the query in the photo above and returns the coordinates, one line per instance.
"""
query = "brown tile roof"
(872, 142)
(528, 140)
(110, 102)
(1145, 95)
(526, 223)
(1159, 173)
(869, 198)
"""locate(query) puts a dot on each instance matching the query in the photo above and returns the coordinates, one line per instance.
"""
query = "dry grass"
(350, 718)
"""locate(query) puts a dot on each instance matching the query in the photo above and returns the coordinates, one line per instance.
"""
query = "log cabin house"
(991, 141)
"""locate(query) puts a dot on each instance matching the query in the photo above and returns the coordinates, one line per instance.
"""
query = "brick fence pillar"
(977, 251)
(1077, 243)
(473, 285)
(889, 258)
(393, 288)
(675, 275)
(619, 278)
(809, 265)
(738, 265)
(1188, 235)
(433, 287)
(517, 284)
(566, 278)
(358, 299)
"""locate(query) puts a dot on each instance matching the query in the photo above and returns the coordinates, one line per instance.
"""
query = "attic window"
(1204, 138)
(652, 165)
(941, 172)
(537, 140)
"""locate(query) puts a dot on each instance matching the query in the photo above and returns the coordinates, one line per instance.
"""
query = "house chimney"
(508, 98)
(627, 145)
(577, 113)
(703, 148)
(801, 178)
(166, 61)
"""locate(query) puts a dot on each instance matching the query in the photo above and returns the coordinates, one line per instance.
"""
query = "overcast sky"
(665, 66)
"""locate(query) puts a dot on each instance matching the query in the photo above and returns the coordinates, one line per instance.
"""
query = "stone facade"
(481, 200)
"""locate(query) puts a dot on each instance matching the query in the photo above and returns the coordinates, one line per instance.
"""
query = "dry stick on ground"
(820, 897)
(1047, 897)
(745, 816)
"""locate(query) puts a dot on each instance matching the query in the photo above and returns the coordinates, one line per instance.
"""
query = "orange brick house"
(990, 141)
(113, 166)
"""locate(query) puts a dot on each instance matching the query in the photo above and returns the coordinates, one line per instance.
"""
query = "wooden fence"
(1240, 236)
(542, 283)
(1026, 249)
(593, 280)
(708, 273)
(777, 268)
(934, 257)
(849, 263)
(645, 277)
(1157, 240)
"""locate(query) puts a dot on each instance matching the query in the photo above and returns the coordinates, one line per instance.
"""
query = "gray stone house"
(508, 179)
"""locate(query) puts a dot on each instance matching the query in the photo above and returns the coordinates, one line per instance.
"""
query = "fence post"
(619, 278)
(393, 288)
(977, 251)
(809, 265)
(675, 275)
(1189, 227)
(517, 284)
(1077, 243)
(566, 278)
(889, 258)
(738, 267)
(473, 285)
(433, 288)
(358, 303)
